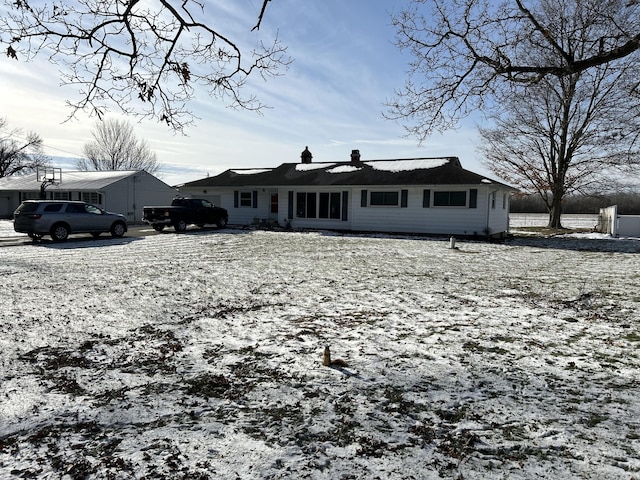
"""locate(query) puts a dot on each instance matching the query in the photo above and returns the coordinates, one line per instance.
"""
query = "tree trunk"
(555, 212)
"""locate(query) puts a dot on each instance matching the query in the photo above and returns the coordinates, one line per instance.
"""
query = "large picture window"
(318, 205)
(449, 199)
(386, 199)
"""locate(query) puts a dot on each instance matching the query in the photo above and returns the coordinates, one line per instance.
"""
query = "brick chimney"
(355, 157)
(306, 156)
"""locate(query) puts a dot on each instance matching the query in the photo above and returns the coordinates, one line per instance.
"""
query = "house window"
(30, 195)
(329, 205)
(426, 198)
(504, 201)
(449, 199)
(306, 204)
(473, 198)
(493, 200)
(60, 195)
(384, 199)
(246, 199)
(92, 197)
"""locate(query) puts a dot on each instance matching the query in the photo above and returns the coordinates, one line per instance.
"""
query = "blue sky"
(331, 98)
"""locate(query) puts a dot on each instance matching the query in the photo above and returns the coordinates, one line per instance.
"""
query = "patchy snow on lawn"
(198, 355)
(6, 229)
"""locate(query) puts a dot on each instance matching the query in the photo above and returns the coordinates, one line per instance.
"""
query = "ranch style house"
(418, 195)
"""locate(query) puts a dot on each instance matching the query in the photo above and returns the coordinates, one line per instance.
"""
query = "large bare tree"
(551, 77)
(566, 135)
(143, 57)
(116, 147)
(20, 153)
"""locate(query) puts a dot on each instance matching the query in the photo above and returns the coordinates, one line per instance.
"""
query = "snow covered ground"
(198, 355)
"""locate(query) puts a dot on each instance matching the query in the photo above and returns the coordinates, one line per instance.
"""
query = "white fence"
(618, 225)
(517, 220)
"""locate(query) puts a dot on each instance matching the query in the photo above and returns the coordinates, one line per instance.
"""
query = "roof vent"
(355, 157)
(306, 156)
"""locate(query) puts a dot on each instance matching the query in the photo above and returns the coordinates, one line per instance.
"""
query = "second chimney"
(355, 157)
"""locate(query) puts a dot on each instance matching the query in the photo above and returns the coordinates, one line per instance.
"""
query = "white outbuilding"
(119, 191)
(415, 195)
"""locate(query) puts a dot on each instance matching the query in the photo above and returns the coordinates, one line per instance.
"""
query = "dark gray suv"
(59, 218)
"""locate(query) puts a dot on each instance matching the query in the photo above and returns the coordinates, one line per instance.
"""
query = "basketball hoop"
(48, 176)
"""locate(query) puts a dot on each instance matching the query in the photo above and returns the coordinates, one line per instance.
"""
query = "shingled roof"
(412, 171)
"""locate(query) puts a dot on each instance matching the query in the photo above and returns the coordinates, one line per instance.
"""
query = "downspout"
(135, 180)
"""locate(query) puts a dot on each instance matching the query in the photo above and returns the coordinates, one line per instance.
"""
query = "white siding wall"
(456, 220)
(131, 194)
(9, 201)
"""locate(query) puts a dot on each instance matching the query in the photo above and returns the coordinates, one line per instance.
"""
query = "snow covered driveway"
(199, 356)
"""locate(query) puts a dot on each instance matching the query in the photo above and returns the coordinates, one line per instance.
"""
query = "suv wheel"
(118, 229)
(59, 232)
(222, 222)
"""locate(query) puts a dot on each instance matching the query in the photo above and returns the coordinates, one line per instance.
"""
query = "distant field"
(541, 219)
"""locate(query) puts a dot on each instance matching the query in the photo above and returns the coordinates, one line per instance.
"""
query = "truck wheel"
(158, 227)
(180, 226)
(222, 222)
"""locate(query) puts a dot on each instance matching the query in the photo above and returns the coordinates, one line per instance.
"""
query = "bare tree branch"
(465, 50)
(20, 153)
(143, 58)
(555, 81)
(264, 7)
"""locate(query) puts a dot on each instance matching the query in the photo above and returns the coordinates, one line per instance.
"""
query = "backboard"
(49, 175)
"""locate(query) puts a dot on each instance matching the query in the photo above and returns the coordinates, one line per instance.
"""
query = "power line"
(13, 135)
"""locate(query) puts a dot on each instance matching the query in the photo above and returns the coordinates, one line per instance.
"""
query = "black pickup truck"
(183, 212)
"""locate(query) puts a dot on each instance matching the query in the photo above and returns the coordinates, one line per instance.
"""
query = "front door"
(273, 207)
